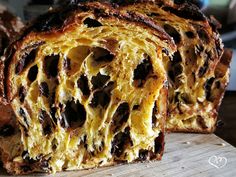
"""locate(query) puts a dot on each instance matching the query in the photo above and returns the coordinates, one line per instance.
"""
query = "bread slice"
(89, 88)
(192, 70)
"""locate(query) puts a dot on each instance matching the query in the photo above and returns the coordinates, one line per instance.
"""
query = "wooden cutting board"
(185, 155)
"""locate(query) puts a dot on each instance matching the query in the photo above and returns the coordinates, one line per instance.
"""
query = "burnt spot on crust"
(102, 55)
(51, 65)
(102, 97)
(91, 23)
(142, 71)
(33, 72)
(202, 34)
(173, 33)
(52, 20)
(207, 88)
(7, 130)
(43, 89)
(25, 60)
(186, 11)
(73, 115)
(99, 80)
(46, 122)
(22, 93)
(82, 83)
(120, 117)
(120, 142)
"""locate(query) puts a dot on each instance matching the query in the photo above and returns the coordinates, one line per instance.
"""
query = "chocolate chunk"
(143, 154)
(202, 34)
(102, 55)
(199, 49)
(120, 141)
(154, 113)
(201, 122)
(22, 93)
(171, 75)
(26, 168)
(177, 58)
(91, 23)
(136, 107)
(178, 69)
(25, 60)
(7, 130)
(51, 65)
(44, 165)
(102, 97)
(46, 122)
(33, 72)
(82, 83)
(173, 33)
(99, 80)
(120, 117)
(159, 143)
(175, 67)
(207, 88)
(203, 69)
(26, 157)
(142, 71)
(190, 34)
(73, 115)
(43, 89)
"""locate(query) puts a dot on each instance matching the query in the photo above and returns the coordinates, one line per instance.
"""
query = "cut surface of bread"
(89, 88)
(192, 70)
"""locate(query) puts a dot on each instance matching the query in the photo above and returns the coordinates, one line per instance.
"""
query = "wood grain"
(185, 155)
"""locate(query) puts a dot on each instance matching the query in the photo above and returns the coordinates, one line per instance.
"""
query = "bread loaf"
(193, 104)
(89, 88)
